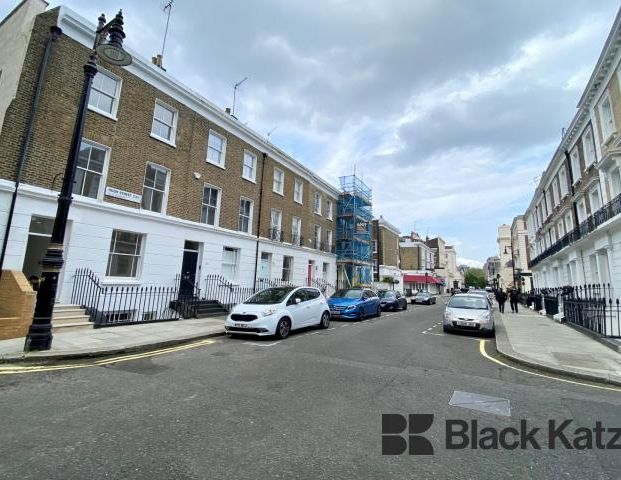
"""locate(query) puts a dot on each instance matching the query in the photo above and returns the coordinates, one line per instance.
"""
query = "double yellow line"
(559, 379)
(13, 369)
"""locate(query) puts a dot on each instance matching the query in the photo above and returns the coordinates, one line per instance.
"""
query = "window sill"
(103, 113)
(223, 167)
(278, 193)
(251, 180)
(299, 203)
(163, 140)
(120, 281)
(609, 139)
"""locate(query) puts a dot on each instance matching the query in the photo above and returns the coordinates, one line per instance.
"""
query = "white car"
(278, 310)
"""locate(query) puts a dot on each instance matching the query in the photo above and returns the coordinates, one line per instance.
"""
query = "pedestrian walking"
(501, 299)
(513, 300)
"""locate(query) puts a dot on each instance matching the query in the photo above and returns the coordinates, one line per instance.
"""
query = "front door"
(311, 272)
(188, 269)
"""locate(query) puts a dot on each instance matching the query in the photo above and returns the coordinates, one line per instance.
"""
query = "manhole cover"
(481, 403)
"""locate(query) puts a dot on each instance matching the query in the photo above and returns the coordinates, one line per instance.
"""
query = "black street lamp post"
(40, 332)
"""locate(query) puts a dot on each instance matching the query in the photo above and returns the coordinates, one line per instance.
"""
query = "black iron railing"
(189, 296)
(325, 287)
(122, 305)
(592, 307)
(593, 221)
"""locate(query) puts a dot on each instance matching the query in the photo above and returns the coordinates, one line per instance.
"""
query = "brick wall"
(17, 301)
(131, 145)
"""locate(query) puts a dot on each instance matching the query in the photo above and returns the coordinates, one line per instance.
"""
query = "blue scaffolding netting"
(353, 232)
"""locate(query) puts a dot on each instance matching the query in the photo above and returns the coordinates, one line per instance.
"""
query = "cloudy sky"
(449, 110)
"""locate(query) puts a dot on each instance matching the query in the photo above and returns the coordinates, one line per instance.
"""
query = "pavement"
(540, 342)
(95, 342)
(307, 408)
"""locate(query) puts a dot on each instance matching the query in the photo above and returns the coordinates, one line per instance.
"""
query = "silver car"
(468, 312)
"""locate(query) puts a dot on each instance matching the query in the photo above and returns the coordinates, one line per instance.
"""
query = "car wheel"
(361, 314)
(379, 312)
(283, 329)
(325, 320)
(446, 329)
(405, 306)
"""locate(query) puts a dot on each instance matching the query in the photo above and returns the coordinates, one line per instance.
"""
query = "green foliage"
(475, 277)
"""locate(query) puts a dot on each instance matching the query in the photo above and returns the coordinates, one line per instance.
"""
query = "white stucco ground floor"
(128, 246)
(594, 259)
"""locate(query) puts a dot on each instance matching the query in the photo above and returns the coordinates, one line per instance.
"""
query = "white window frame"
(549, 204)
(289, 270)
(253, 177)
(281, 191)
(296, 221)
(115, 100)
(560, 228)
(139, 248)
(222, 162)
(592, 192)
(588, 153)
(581, 204)
(614, 175)
(317, 199)
(218, 202)
(104, 171)
(250, 217)
(317, 237)
(329, 236)
(329, 208)
(298, 193)
(166, 188)
(235, 265)
(608, 127)
(555, 196)
(277, 225)
(562, 178)
(576, 169)
(173, 127)
(569, 222)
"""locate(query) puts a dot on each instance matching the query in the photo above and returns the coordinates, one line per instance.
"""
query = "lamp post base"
(39, 337)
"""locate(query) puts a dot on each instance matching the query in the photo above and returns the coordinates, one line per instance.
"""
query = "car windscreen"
(270, 296)
(422, 294)
(347, 293)
(386, 294)
(473, 303)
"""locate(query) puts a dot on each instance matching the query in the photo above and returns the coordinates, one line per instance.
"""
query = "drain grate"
(481, 403)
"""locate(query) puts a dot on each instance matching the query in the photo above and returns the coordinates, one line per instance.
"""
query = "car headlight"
(450, 316)
(351, 307)
(269, 311)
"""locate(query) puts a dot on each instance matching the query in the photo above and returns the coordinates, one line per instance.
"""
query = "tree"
(475, 278)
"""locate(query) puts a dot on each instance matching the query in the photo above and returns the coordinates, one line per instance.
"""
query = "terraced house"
(167, 183)
(573, 220)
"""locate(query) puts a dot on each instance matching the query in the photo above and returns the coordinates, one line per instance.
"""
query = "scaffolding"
(353, 233)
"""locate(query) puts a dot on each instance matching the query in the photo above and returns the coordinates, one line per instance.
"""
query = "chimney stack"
(157, 61)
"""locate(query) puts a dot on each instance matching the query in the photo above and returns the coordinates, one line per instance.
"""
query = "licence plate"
(465, 324)
(242, 325)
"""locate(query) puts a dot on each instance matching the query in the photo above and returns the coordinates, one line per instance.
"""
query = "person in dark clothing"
(513, 300)
(501, 299)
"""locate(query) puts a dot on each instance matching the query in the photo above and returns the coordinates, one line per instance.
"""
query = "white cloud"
(469, 262)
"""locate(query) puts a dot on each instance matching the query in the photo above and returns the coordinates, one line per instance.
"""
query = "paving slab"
(540, 342)
(114, 340)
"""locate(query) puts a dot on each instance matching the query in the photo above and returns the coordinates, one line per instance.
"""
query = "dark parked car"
(425, 298)
(392, 300)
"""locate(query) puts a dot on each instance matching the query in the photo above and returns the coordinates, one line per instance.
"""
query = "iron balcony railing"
(593, 221)
(123, 305)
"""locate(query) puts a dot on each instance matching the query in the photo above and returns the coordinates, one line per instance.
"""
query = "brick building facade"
(162, 171)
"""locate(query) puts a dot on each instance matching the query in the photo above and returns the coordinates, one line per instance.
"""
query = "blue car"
(354, 303)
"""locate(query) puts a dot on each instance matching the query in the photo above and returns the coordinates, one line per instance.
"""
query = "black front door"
(188, 270)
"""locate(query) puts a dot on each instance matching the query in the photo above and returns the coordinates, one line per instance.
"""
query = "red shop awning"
(421, 279)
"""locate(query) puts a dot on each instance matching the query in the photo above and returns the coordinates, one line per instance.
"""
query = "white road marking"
(262, 344)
